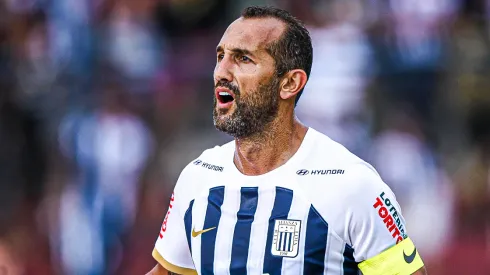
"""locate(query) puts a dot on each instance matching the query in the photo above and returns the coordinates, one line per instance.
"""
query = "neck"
(269, 149)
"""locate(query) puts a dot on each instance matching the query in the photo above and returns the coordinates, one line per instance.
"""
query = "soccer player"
(281, 198)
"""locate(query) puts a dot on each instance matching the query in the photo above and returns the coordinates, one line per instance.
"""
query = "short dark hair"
(293, 50)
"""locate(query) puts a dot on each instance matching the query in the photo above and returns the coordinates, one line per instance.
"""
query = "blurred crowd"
(103, 102)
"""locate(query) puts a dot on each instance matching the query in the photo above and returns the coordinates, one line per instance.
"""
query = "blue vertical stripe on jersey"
(280, 210)
(349, 265)
(208, 240)
(315, 243)
(241, 236)
(188, 224)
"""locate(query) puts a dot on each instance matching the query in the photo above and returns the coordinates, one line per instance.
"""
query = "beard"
(252, 113)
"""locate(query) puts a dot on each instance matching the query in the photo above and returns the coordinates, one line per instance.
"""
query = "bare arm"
(421, 271)
(160, 270)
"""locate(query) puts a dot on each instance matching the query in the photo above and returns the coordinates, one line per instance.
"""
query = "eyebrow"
(236, 50)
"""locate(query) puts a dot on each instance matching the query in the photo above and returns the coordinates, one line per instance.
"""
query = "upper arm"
(421, 271)
(172, 248)
(159, 270)
(376, 228)
(371, 220)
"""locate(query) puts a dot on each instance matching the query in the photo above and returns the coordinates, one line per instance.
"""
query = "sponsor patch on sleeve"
(164, 224)
(390, 216)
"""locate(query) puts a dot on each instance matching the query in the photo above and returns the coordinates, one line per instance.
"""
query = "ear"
(292, 83)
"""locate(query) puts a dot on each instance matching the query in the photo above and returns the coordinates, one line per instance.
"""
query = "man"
(281, 198)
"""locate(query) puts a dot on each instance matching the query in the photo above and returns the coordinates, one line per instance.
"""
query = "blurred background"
(103, 102)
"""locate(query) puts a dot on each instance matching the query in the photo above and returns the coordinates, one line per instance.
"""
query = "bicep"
(172, 248)
(159, 270)
(376, 228)
(421, 271)
(374, 217)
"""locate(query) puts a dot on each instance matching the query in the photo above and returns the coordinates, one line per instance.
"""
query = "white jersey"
(322, 212)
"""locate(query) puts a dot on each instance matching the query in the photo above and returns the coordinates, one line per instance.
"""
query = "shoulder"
(345, 185)
(199, 174)
(337, 171)
(330, 158)
(213, 159)
(327, 150)
(206, 167)
(358, 205)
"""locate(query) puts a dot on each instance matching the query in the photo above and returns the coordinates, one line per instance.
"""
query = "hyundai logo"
(197, 162)
(302, 172)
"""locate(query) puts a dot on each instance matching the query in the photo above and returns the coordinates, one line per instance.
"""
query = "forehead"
(253, 34)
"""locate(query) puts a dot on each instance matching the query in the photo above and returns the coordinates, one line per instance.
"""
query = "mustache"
(228, 85)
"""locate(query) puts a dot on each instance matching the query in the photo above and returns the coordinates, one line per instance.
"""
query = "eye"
(220, 56)
(245, 59)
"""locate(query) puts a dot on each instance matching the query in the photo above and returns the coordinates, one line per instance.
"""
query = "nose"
(222, 71)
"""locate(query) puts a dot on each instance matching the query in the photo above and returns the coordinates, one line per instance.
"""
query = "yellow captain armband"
(401, 259)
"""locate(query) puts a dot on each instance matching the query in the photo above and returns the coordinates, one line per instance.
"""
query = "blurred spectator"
(22, 177)
(130, 41)
(473, 178)
(409, 167)
(333, 100)
(469, 253)
(71, 36)
(35, 71)
(22, 160)
(410, 49)
(109, 147)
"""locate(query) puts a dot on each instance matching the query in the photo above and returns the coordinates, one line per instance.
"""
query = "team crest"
(285, 242)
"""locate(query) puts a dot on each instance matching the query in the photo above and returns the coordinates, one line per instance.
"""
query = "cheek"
(249, 80)
(249, 69)
(246, 86)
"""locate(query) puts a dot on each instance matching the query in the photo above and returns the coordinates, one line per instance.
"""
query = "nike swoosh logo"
(197, 233)
(411, 257)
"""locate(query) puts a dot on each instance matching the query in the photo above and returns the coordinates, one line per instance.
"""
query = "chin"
(223, 114)
(220, 121)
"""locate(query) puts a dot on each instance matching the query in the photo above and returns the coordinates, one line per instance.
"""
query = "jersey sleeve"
(374, 219)
(172, 247)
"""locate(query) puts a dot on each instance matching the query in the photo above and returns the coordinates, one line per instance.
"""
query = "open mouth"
(224, 96)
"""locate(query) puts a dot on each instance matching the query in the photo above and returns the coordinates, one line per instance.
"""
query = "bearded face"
(245, 114)
(246, 79)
